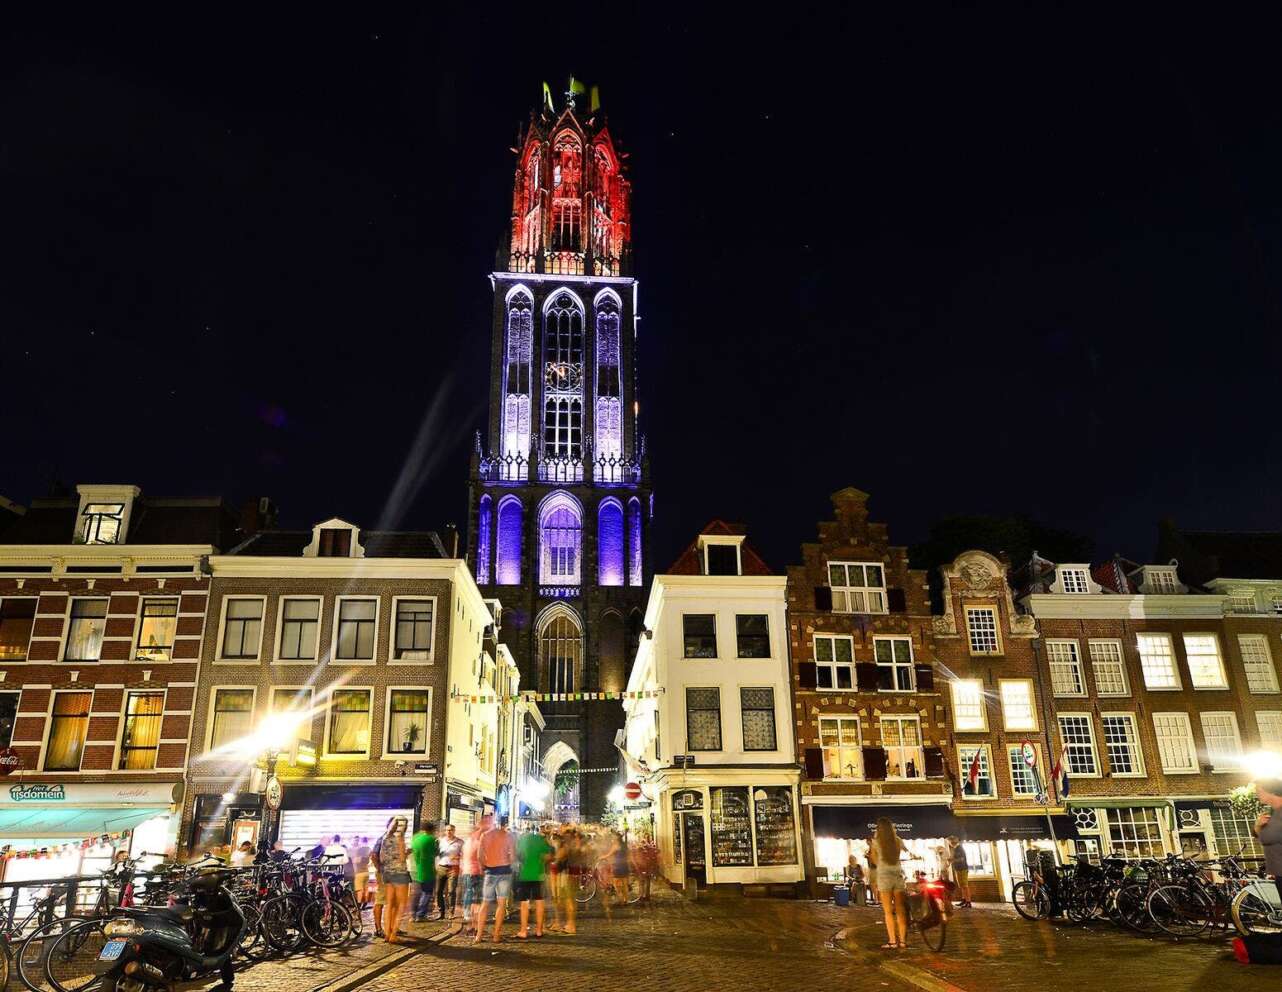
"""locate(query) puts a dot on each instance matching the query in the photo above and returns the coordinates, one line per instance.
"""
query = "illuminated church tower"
(560, 494)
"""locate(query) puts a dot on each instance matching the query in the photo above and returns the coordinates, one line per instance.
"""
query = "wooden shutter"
(875, 764)
(934, 762)
(896, 601)
(823, 599)
(866, 676)
(808, 674)
(814, 764)
(925, 677)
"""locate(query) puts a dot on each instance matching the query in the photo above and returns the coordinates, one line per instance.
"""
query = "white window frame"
(985, 762)
(1075, 661)
(329, 715)
(858, 746)
(124, 720)
(1219, 660)
(1116, 644)
(48, 732)
(901, 719)
(1161, 576)
(834, 664)
(391, 632)
(863, 591)
(389, 755)
(1262, 640)
(1090, 729)
(1275, 717)
(1216, 765)
(209, 714)
(774, 716)
(1114, 818)
(143, 600)
(1074, 576)
(895, 665)
(996, 631)
(295, 689)
(1190, 742)
(219, 657)
(1137, 748)
(1032, 705)
(1175, 661)
(1235, 600)
(66, 628)
(334, 659)
(721, 720)
(968, 728)
(1014, 755)
(280, 630)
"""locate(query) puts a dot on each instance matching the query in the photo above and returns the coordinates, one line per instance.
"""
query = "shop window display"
(776, 826)
(731, 827)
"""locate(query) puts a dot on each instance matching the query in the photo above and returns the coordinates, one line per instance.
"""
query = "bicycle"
(928, 911)
(1257, 908)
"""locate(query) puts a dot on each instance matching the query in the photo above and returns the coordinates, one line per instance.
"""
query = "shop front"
(716, 830)
(58, 830)
(1132, 827)
(996, 847)
(464, 806)
(1209, 828)
(842, 831)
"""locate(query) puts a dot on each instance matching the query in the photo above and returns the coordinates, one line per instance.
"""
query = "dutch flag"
(1060, 774)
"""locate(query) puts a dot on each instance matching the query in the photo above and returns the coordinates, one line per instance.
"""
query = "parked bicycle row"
(1176, 897)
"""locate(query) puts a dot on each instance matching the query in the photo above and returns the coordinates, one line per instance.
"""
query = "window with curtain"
(141, 741)
(84, 634)
(233, 716)
(356, 621)
(293, 701)
(407, 721)
(68, 728)
(159, 624)
(703, 719)
(758, 715)
(349, 721)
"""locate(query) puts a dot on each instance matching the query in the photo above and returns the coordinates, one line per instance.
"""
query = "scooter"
(152, 947)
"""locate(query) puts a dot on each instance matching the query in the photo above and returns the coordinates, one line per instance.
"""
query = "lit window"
(752, 634)
(901, 737)
(857, 587)
(407, 721)
(1017, 704)
(295, 702)
(357, 620)
(983, 787)
(1122, 743)
(703, 719)
(1206, 668)
(1079, 744)
(1269, 723)
(233, 716)
(1175, 744)
(1261, 676)
(1240, 601)
(834, 661)
(1022, 780)
(102, 523)
(157, 630)
(349, 721)
(1109, 668)
(894, 657)
(68, 728)
(1135, 832)
(242, 629)
(981, 626)
(1066, 668)
(1223, 745)
(561, 533)
(699, 632)
(1234, 834)
(86, 629)
(300, 626)
(17, 616)
(1157, 660)
(141, 741)
(1074, 580)
(757, 707)
(413, 639)
(842, 752)
(968, 705)
(1161, 581)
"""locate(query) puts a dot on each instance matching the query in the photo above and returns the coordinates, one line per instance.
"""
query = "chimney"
(256, 515)
(451, 539)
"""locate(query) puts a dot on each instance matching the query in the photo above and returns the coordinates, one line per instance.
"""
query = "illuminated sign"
(305, 753)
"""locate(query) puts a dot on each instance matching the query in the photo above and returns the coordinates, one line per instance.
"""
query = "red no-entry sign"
(632, 792)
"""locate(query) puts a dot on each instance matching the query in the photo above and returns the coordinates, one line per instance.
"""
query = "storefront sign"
(73, 794)
(272, 794)
(304, 753)
(424, 768)
(10, 761)
(683, 760)
(38, 793)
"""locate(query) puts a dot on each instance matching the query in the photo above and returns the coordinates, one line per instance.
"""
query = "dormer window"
(1074, 580)
(1160, 581)
(720, 555)
(101, 523)
(335, 543)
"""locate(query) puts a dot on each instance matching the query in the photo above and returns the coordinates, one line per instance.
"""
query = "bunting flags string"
(58, 850)
(554, 697)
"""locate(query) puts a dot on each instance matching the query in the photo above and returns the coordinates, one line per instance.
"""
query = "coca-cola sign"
(10, 761)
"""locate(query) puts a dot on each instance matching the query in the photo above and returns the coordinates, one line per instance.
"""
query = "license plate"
(112, 951)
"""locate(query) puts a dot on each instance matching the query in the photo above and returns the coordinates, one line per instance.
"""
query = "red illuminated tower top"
(571, 200)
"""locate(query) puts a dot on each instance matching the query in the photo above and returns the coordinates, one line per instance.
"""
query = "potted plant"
(411, 734)
(1245, 802)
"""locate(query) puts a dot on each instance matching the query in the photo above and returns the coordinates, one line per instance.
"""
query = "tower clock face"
(563, 375)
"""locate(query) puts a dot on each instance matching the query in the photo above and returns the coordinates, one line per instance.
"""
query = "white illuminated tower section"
(559, 491)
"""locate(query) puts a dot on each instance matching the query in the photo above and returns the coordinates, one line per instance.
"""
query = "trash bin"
(841, 895)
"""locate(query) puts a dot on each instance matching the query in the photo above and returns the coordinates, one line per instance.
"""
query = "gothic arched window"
(609, 402)
(560, 540)
(507, 572)
(483, 524)
(560, 648)
(634, 542)
(567, 194)
(609, 543)
(518, 350)
(563, 377)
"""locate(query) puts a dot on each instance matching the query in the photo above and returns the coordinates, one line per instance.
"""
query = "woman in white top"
(888, 848)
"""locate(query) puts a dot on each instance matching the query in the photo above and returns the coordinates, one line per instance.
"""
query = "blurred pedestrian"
(569, 869)
(470, 873)
(532, 853)
(890, 883)
(423, 849)
(449, 852)
(360, 869)
(959, 867)
(395, 876)
(497, 853)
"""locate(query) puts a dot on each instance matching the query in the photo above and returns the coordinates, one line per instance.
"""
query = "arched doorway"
(561, 768)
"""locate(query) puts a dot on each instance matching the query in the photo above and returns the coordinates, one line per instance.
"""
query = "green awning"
(1116, 802)
(73, 822)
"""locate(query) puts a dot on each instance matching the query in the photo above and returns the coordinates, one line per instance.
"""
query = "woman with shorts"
(888, 848)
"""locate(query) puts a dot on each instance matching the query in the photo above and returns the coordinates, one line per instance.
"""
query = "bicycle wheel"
(71, 964)
(1254, 914)
(634, 889)
(586, 888)
(1132, 906)
(252, 943)
(282, 922)
(31, 953)
(326, 923)
(1031, 901)
(1180, 911)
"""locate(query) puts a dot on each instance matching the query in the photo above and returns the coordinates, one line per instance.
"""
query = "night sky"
(967, 265)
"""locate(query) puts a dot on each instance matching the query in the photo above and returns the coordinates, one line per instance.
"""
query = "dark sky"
(966, 264)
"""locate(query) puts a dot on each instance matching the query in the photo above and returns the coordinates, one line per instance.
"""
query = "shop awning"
(1028, 827)
(1117, 802)
(851, 822)
(77, 822)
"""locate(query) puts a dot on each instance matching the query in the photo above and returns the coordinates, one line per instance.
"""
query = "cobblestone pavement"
(741, 944)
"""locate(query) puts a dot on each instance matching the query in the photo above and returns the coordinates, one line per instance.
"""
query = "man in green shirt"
(423, 847)
(532, 854)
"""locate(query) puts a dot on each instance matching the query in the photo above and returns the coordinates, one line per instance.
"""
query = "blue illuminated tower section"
(559, 489)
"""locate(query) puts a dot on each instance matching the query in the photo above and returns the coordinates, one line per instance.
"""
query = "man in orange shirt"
(497, 852)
